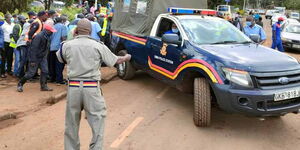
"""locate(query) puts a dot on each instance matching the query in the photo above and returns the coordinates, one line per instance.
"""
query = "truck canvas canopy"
(136, 17)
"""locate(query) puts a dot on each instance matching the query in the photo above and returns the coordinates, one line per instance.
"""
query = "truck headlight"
(238, 77)
(285, 39)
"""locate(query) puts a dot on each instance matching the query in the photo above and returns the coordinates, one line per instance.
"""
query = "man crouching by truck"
(84, 56)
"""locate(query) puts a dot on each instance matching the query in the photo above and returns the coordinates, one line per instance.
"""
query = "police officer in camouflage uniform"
(84, 57)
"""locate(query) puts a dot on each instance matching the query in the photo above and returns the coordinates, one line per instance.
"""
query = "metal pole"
(244, 5)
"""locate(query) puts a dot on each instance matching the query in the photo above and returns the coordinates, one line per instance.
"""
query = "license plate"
(287, 95)
(296, 46)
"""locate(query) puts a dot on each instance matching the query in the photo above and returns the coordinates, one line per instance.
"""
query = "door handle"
(154, 46)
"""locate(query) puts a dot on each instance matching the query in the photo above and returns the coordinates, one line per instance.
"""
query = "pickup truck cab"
(212, 59)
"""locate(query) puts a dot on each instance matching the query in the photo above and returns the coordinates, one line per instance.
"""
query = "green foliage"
(36, 9)
(68, 3)
(71, 12)
(103, 2)
(292, 4)
(11, 5)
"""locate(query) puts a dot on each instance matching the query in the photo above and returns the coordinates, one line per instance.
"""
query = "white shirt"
(7, 29)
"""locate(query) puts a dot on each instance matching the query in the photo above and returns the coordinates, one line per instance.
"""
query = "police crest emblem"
(163, 50)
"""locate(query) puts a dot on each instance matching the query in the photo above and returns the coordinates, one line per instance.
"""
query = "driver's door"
(164, 58)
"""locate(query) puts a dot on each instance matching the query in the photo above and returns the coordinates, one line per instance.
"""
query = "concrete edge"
(52, 99)
(8, 115)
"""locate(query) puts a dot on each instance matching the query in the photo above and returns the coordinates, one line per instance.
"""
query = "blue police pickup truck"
(209, 57)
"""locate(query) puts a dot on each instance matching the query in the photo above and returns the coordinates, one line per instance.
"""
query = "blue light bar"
(191, 11)
(175, 10)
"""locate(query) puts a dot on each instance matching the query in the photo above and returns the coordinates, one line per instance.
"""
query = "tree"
(48, 4)
(12, 5)
(68, 2)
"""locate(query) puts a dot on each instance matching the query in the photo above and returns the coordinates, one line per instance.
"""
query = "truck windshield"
(209, 31)
(293, 29)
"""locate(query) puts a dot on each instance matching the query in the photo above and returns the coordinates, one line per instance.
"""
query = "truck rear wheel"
(125, 70)
(202, 102)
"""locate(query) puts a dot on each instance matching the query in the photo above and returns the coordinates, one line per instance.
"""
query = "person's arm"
(15, 33)
(122, 59)
(263, 36)
(274, 31)
(61, 57)
(64, 33)
(110, 59)
(98, 30)
(34, 48)
(34, 27)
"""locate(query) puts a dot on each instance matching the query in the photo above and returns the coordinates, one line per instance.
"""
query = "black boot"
(44, 86)
(20, 85)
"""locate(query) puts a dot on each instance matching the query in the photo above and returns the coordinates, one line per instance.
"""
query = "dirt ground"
(145, 114)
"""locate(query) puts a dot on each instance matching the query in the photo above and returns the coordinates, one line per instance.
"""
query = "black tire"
(128, 71)
(202, 102)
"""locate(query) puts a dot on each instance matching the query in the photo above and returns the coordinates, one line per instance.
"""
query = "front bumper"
(291, 45)
(254, 102)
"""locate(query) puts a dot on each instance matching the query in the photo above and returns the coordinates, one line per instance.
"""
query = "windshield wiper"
(245, 42)
(225, 42)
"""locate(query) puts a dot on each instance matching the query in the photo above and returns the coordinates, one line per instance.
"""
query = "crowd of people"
(28, 43)
(19, 42)
(254, 27)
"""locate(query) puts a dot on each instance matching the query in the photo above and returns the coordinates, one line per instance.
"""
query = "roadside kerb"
(52, 99)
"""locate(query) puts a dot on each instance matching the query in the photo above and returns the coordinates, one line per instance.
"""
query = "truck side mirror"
(255, 38)
(171, 39)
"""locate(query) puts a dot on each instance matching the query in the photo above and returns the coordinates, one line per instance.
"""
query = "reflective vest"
(37, 31)
(104, 28)
(13, 43)
(103, 10)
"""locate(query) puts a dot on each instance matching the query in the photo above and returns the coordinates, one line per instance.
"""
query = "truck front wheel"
(202, 102)
(125, 70)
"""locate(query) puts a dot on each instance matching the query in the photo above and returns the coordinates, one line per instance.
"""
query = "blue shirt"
(56, 37)
(169, 32)
(256, 30)
(95, 29)
(1, 38)
(277, 28)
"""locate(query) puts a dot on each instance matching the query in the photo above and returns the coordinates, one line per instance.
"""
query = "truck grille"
(296, 41)
(268, 81)
(269, 105)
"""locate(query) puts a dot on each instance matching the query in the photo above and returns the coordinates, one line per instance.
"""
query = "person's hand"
(27, 43)
(127, 57)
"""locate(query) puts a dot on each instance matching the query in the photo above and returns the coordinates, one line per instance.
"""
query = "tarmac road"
(145, 114)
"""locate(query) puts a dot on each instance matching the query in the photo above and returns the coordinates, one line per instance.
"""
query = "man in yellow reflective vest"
(105, 22)
(17, 31)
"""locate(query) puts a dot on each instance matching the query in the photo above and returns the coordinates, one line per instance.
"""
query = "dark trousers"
(32, 69)
(23, 60)
(9, 53)
(55, 68)
(3, 57)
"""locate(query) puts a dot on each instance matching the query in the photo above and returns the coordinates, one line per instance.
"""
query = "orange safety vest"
(37, 31)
